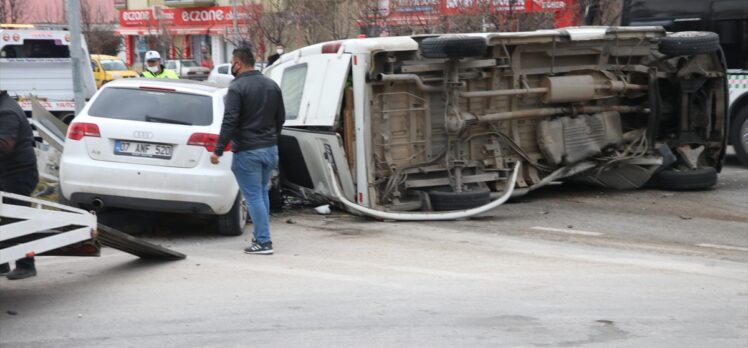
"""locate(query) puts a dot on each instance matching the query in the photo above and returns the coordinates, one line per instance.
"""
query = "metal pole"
(73, 8)
(236, 24)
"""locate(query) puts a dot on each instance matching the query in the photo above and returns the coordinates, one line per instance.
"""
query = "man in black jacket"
(275, 56)
(18, 172)
(252, 122)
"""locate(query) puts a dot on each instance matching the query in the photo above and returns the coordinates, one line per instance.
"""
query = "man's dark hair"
(244, 55)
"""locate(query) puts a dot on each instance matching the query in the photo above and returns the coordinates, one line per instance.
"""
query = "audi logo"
(142, 135)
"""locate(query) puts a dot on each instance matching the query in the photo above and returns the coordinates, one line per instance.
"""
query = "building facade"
(53, 12)
(206, 31)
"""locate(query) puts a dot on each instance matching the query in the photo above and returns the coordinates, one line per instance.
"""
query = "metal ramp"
(47, 228)
(124, 242)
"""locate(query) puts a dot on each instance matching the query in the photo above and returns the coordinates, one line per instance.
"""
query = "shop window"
(292, 87)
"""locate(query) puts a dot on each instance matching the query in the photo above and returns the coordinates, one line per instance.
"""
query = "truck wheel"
(739, 135)
(233, 222)
(689, 43)
(690, 179)
(453, 46)
(443, 200)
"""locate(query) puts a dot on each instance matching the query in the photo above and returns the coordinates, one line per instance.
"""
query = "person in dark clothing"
(252, 121)
(18, 172)
(275, 56)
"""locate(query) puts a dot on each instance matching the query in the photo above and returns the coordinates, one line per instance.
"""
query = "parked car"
(187, 69)
(435, 127)
(221, 74)
(146, 144)
(107, 68)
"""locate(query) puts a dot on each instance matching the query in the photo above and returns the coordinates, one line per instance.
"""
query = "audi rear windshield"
(153, 106)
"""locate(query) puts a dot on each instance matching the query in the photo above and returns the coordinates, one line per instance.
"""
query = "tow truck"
(35, 61)
(42, 228)
(47, 228)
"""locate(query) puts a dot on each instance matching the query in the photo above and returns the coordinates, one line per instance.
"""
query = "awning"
(196, 30)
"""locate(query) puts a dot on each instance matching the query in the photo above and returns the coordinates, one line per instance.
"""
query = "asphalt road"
(566, 266)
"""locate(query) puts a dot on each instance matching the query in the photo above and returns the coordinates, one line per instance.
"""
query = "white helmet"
(150, 55)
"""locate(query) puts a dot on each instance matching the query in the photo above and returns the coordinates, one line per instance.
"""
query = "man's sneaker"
(259, 249)
(22, 273)
(4, 268)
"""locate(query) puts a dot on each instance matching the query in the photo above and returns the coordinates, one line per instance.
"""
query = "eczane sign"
(198, 16)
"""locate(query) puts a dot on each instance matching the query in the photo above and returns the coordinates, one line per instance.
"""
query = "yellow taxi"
(107, 68)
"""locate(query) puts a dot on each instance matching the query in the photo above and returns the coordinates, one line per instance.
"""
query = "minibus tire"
(687, 43)
(453, 46)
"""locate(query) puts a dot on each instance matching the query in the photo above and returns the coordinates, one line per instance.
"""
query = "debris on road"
(323, 209)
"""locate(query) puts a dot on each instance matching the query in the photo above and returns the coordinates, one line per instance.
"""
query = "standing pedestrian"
(154, 69)
(279, 49)
(18, 171)
(252, 122)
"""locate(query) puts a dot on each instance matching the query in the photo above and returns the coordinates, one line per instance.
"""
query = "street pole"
(236, 24)
(73, 8)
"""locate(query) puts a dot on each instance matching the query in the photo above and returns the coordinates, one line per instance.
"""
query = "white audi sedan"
(145, 144)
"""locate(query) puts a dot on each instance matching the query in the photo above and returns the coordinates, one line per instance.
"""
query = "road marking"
(726, 247)
(569, 231)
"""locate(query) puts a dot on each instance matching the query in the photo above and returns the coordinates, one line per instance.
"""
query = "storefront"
(205, 34)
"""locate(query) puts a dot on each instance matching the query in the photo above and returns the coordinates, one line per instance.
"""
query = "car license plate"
(148, 150)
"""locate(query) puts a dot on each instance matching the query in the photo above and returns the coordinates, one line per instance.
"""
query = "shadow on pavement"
(143, 223)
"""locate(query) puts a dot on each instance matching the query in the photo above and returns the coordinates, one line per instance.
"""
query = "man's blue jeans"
(252, 169)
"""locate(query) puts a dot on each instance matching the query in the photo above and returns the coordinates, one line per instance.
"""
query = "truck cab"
(36, 61)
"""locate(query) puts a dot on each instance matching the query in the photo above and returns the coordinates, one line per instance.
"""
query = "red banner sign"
(182, 17)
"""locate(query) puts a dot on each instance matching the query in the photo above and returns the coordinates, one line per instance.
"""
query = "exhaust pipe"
(97, 203)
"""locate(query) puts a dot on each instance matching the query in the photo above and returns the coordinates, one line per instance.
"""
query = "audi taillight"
(78, 131)
(206, 140)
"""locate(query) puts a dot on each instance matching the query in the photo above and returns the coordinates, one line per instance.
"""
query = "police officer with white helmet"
(154, 68)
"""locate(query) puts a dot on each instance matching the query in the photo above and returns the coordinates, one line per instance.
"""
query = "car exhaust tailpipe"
(97, 203)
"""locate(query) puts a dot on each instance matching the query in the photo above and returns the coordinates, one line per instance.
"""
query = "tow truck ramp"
(46, 228)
